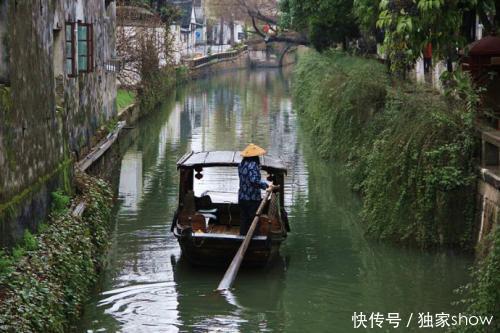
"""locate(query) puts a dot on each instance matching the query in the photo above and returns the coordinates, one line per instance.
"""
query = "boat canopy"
(226, 158)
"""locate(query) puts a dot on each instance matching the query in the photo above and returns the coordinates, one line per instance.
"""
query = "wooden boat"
(207, 219)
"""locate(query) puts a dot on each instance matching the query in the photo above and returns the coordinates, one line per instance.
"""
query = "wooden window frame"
(90, 47)
(70, 57)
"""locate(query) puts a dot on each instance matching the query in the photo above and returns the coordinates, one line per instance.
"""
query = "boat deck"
(223, 229)
(222, 232)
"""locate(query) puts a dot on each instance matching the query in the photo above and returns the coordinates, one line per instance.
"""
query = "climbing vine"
(44, 284)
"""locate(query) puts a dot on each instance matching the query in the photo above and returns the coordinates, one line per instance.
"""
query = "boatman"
(249, 197)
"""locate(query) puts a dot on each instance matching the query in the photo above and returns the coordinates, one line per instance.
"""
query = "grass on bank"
(407, 149)
(125, 98)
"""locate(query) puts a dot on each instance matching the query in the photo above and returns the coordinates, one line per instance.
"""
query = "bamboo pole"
(233, 268)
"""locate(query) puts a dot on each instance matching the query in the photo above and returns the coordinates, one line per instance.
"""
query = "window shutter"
(70, 49)
(91, 48)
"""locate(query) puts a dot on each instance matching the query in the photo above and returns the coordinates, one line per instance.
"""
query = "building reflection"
(130, 186)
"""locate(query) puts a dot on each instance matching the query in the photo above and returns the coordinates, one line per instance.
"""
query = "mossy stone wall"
(47, 117)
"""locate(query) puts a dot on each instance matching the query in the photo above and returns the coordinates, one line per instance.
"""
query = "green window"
(85, 48)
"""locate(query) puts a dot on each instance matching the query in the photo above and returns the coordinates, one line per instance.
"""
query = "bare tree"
(144, 44)
(259, 13)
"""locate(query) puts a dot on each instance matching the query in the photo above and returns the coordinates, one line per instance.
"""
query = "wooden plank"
(220, 157)
(492, 137)
(79, 209)
(100, 148)
(196, 158)
(184, 158)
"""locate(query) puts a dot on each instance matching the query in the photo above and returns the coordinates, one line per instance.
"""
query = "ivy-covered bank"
(407, 149)
(44, 280)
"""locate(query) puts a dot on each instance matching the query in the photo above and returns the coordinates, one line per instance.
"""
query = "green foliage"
(155, 86)
(60, 201)
(18, 252)
(338, 94)
(5, 264)
(408, 150)
(419, 176)
(482, 295)
(45, 287)
(124, 98)
(366, 13)
(410, 25)
(5, 99)
(326, 22)
(181, 74)
(29, 241)
(169, 14)
(111, 125)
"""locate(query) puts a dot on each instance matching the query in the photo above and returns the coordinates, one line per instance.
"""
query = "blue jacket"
(250, 181)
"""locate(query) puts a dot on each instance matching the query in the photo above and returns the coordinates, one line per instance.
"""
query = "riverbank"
(409, 151)
(47, 277)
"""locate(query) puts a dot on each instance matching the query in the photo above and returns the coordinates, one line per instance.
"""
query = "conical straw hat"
(253, 150)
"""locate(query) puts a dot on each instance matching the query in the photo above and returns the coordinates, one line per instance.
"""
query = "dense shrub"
(155, 86)
(483, 293)
(418, 172)
(42, 290)
(408, 150)
(338, 94)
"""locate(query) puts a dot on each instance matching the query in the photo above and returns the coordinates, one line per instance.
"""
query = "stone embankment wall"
(47, 116)
(488, 203)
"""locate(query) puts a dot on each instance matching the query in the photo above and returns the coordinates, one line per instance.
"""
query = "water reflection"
(328, 269)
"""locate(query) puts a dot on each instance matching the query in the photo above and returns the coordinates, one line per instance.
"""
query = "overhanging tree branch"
(290, 38)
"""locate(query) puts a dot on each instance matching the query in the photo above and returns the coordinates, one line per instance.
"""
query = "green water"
(328, 269)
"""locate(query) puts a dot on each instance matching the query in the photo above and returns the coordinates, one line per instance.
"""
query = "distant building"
(193, 28)
(223, 33)
(201, 24)
(187, 23)
(57, 88)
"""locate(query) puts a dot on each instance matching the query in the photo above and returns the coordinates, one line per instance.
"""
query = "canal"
(328, 269)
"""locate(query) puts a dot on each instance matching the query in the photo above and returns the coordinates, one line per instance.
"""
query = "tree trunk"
(488, 27)
(282, 57)
(449, 64)
(231, 26)
(345, 43)
(221, 32)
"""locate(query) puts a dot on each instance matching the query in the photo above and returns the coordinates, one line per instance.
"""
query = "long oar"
(232, 270)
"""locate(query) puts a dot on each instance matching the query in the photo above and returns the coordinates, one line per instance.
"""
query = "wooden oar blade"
(232, 271)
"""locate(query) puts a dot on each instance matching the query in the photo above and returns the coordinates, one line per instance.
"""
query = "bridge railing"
(198, 62)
